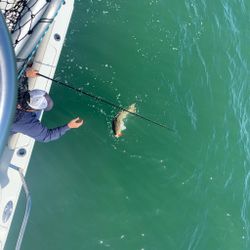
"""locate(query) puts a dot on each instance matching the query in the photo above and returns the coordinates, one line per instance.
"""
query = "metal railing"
(8, 86)
(27, 210)
(27, 207)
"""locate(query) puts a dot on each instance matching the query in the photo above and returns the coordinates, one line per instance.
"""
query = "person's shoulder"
(22, 115)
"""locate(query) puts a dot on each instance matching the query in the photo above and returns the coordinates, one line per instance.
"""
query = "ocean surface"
(184, 64)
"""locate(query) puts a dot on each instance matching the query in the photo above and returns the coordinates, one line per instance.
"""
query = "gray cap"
(40, 100)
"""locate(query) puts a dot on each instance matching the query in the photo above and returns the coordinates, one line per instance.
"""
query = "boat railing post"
(27, 207)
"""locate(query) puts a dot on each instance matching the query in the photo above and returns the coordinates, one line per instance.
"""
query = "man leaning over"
(26, 120)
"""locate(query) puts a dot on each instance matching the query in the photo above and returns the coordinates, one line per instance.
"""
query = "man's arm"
(47, 135)
(44, 134)
(41, 133)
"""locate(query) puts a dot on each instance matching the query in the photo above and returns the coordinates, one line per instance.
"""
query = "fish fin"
(123, 127)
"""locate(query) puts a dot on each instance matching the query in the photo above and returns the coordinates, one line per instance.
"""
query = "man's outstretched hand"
(75, 123)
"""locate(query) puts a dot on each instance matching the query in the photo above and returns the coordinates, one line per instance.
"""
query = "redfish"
(118, 122)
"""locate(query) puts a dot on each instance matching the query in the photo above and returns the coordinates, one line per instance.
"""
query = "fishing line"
(105, 101)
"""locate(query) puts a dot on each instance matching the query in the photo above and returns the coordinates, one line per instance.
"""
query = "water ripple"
(191, 112)
(230, 17)
(240, 105)
(204, 65)
(198, 233)
(245, 207)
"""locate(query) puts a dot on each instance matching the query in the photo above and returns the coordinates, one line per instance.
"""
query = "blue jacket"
(27, 123)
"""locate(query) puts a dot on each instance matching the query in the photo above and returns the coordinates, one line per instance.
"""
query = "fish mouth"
(118, 135)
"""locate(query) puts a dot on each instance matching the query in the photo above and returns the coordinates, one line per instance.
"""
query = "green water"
(184, 63)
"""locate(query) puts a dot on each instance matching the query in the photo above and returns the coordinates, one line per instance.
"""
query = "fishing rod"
(104, 101)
